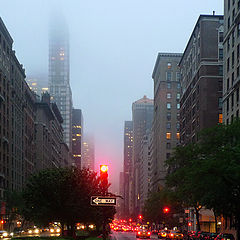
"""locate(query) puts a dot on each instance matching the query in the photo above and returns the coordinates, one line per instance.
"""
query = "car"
(163, 234)
(175, 234)
(4, 234)
(212, 236)
(225, 236)
(143, 232)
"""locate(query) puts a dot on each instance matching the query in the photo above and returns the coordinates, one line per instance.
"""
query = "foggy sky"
(114, 45)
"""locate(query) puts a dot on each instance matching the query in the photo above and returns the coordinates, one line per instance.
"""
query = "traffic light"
(140, 216)
(130, 220)
(166, 210)
(104, 177)
(189, 224)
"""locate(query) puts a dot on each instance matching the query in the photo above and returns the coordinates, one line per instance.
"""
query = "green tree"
(183, 166)
(63, 195)
(155, 204)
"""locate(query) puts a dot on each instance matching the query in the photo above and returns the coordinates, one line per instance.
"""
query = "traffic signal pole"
(104, 186)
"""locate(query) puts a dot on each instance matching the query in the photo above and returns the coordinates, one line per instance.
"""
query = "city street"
(127, 236)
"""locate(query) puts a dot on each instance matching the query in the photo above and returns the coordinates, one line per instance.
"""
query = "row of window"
(168, 125)
(169, 136)
(169, 106)
(233, 58)
(169, 96)
(170, 74)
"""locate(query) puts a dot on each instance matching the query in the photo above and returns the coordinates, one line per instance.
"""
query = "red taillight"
(149, 233)
(171, 235)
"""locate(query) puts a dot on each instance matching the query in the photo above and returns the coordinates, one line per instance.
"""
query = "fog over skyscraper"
(59, 79)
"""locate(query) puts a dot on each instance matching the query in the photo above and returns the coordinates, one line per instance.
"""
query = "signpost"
(103, 201)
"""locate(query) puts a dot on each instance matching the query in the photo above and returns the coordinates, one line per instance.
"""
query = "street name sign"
(103, 201)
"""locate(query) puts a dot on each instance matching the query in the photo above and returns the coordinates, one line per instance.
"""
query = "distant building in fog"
(38, 85)
(77, 136)
(59, 79)
(128, 148)
(88, 152)
(121, 193)
(142, 117)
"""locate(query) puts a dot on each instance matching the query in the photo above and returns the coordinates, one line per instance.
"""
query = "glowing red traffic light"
(166, 210)
(140, 216)
(103, 168)
(189, 224)
(130, 220)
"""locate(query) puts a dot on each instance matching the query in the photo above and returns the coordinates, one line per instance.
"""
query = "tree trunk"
(197, 218)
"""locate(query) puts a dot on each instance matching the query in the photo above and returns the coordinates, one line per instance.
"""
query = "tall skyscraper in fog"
(59, 79)
(142, 117)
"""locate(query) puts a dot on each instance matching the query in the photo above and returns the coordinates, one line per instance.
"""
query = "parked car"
(224, 236)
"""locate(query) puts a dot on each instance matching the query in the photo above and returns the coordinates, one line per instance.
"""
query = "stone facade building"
(167, 93)
(201, 78)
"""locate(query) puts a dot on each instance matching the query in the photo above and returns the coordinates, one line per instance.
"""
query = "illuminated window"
(169, 65)
(178, 95)
(178, 105)
(169, 95)
(178, 135)
(220, 118)
(74, 139)
(78, 135)
(168, 106)
(168, 135)
(34, 84)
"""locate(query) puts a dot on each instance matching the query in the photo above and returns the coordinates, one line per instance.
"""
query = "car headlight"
(29, 231)
(11, 234)
(58, 230)
(36, 231)
(51, 230)
(5, 234)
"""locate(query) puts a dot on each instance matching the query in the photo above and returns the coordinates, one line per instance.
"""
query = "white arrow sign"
(103, 201)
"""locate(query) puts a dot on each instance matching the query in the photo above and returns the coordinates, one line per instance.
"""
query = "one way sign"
(103, 201)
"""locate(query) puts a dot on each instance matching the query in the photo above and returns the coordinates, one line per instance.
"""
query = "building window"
(220, 118)
(169, 65)
(178, 76)
(228, 44)
(227, 83)
(233, 14)
(220, 54)
(178, 106)
(168, 145)
(169, 76)
(220, 39)
(178, 126)
(228, 61)
(168, 106)
(168, 135)
(168, 125)
(220, 102)
(220, 70)
(178, 135)
(232, 78)
(169, 95)
(169, 116)
(232, 99)
(178, 85)
(228, 4)
(168, 155)
(228, 22)
(169, 85)
(178, 96)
